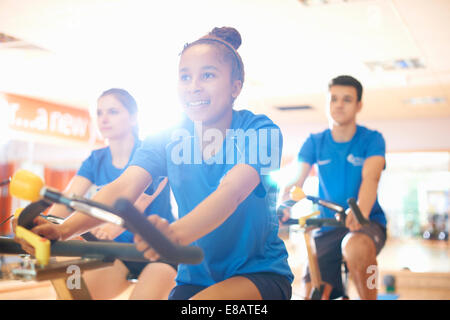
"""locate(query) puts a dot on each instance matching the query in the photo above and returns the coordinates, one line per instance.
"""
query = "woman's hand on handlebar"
(108, 231)
(163, 226)
(43, 228)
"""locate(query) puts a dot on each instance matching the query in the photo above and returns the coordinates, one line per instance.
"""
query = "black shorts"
(135, 268)
(271, 286)
(329, 254)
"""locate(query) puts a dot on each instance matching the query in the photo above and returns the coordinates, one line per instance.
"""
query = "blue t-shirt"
(247, 242)
(339, 166)
(99, 169)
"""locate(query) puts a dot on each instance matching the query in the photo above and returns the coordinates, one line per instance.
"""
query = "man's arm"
(371, 174)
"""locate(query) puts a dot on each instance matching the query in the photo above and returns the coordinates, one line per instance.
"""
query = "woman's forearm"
(129, 186)
(77, 224)
(78, 185)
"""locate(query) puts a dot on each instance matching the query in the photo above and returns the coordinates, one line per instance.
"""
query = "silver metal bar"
(331, 206)
(97, 213)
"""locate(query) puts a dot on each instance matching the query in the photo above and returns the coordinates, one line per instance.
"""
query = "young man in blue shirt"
(350, 159)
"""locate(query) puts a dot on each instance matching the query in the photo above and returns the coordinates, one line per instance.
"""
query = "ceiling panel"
(290, 51)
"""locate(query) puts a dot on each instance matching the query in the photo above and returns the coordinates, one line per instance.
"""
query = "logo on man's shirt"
(356, 161)
(323, 162)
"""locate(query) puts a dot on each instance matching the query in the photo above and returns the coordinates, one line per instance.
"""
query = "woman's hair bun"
(228, 34)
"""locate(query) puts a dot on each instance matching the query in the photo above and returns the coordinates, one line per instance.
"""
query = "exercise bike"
(308, 223)
(92, 254)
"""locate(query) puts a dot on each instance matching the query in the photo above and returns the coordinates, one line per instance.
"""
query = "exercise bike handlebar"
(138, 224)
(319, 222)
(327, 204)
(28, 186)
(79, 248)
(357, 211)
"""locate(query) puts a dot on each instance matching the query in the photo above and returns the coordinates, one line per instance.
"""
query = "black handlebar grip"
(319, 222)
(291, 221)
(30, 212)
(108, 250)
(34, 209)
(88, 236)
(355, 208)
(169, 251)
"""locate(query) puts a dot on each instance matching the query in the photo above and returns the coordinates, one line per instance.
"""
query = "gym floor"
(421, 269)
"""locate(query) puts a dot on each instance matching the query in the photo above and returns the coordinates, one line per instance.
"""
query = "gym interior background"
(57, 56)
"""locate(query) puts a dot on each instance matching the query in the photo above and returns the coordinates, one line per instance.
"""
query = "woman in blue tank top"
(117, 122)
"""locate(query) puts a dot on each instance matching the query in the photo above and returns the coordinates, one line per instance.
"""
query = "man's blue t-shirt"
(98, 169)
(247, 242)
(339, 166)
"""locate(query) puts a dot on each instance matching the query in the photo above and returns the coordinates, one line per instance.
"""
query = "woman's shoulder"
(91, 164)
(98, 153)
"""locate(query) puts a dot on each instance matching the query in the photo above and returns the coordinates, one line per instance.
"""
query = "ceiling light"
(326, 2)
(291, 108)
(425, 100)
(396, 64)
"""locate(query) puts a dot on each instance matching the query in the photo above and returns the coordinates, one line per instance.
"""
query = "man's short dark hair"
(347, 81)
